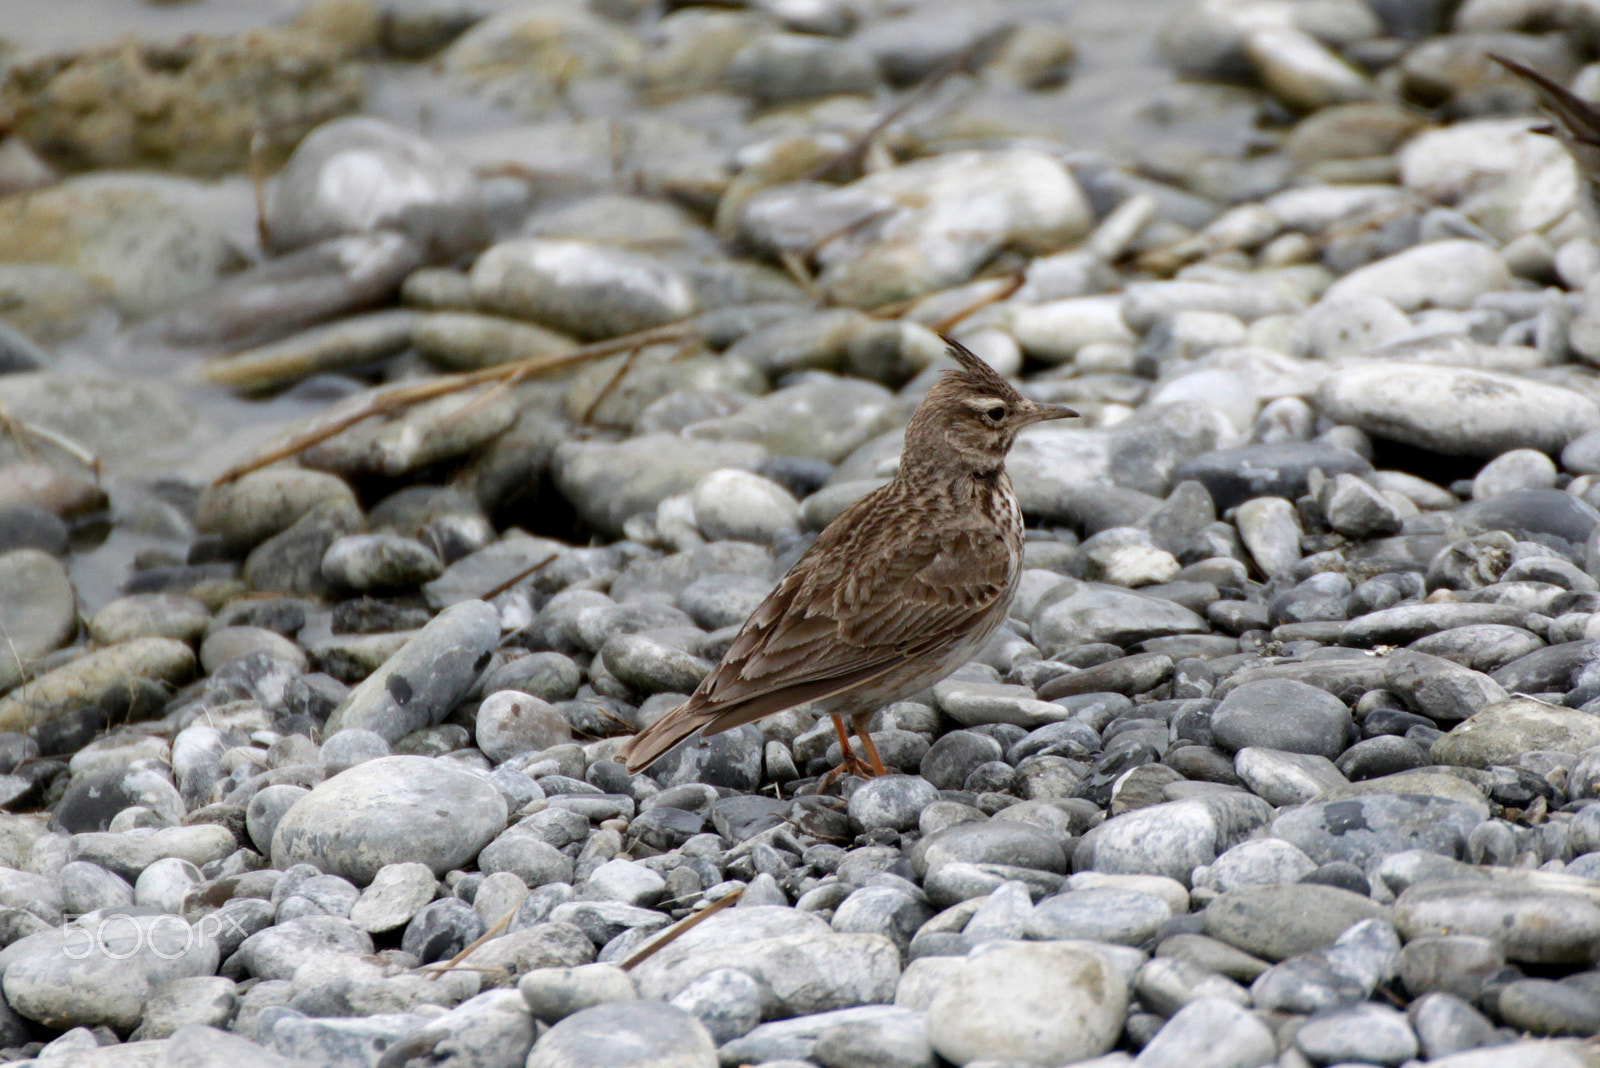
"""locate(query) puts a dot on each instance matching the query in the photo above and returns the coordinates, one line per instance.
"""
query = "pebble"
(1043, 1002)
(1454, 410)
(421, 683)
(1172, 838)
(389, 811)
(103, 969)
(658, 1035)
(1303, 645)
(1279, 921)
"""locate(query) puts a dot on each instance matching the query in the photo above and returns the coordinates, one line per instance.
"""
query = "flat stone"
(387, 811)
(1538, 917)
(1503, 731)
(1361, 829)
(1285, 920)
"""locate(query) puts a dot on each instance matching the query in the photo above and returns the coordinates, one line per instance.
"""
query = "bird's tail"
(652, 743)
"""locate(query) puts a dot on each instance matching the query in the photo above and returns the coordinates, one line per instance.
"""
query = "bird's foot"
(850, 765)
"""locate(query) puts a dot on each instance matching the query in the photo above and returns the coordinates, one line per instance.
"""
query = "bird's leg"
(859, 722)
(849, 763)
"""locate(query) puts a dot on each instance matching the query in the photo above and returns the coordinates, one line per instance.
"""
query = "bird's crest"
(976, 374)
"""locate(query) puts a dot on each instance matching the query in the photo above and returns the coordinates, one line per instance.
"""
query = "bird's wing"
(848, 612)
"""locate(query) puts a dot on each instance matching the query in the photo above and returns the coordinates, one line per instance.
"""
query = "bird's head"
(970, 417)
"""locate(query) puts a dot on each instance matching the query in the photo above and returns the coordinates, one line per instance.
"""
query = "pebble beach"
(402, 402)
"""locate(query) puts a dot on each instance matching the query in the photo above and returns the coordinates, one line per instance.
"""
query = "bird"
(903, 587)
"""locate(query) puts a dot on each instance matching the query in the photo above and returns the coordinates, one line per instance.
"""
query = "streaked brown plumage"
(903, 587)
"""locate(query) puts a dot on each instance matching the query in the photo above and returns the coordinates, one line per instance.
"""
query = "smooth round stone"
(727, 1002)
(38, 605)
(536, 863)
(511, 722)
(1505, 730)
(350, 747)
(552, 676)
(1526, 514)
(1172, 838)
(737, 505)
(553, 994)
(1225, 1031)
(609, 482)
(93, 800)
(393, 809)
(886, 910)
(226, 644)
(266, 809)
(1233, 476)
(1035, 1002)
(1518, 469)
(955, 755)
(103, 974)
(1099, 914)
(626, 881)
(1447, 1024)
(357, 173)
(1083, 613)
(894, 802)
(1456, 411)
(991, 842)
(587, 290)
(718, 601)
(1537, 917)
(1368, 1034)
(254, 507)
(627, 1034)
(27, 526)
(1259, 862)
(1286, 778)
(208, 1000)
(1304, 984)
(1281, 921)
(364, 562)
(1211, 955)
(86, 887)
(1285, 715)
(397, 892)
(649, 666)
(277, 951)
(441, 929)
(149, 615)
(424, 681)
(1451, 963)
(165, 884)
(1544, 1007)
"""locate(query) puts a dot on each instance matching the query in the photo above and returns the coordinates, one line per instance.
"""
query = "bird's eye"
(995, 414)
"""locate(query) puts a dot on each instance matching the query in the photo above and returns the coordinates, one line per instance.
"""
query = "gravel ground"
(1288, 753)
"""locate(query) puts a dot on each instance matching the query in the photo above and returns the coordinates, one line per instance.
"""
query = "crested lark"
(906, 585)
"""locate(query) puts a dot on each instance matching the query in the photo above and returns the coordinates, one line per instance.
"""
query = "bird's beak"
(1039, 413)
